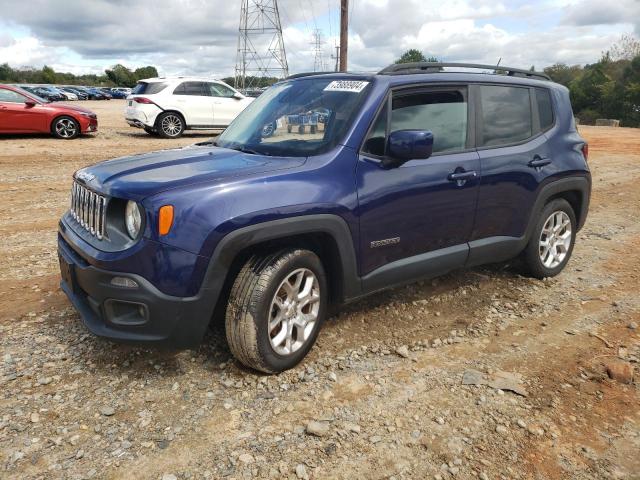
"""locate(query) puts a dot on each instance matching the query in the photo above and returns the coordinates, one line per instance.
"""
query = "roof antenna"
(499, 60)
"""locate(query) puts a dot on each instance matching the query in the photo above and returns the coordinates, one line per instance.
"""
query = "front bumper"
(137, 315)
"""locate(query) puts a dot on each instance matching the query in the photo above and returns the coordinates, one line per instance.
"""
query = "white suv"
(169, 106)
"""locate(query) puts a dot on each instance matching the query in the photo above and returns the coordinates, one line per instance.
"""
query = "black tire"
(170, 125)
(289, 128)
(533, 251)
(301, 129)
(151, 131)
(65, 127)
(249, 308)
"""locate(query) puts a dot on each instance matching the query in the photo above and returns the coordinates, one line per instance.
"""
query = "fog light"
(123, 282)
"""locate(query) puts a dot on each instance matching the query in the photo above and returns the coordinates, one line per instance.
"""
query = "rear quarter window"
(148, 88)
(506, 115)
(545, 108)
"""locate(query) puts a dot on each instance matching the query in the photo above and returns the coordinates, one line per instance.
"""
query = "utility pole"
(260, 45)
(344, 33)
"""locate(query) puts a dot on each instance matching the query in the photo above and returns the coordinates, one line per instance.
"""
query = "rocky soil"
(480, 374)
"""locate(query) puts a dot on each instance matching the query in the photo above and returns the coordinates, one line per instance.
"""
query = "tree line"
(116, 76)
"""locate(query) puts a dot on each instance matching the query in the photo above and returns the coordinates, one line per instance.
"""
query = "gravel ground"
(480, 374)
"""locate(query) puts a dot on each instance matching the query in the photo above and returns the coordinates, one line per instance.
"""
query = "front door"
(421, 213)
(225, 105)
(17, 116)
(192, 98)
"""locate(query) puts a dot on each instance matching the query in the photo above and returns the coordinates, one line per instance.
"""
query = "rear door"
(16, 116)
(193, 100)
(515, 158)
(419, 207)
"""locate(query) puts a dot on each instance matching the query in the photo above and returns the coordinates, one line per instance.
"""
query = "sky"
(199, 37)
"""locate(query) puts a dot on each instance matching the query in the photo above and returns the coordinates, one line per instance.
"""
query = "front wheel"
(65, 127)
(552, 240)
(170, 125)
(276, 307)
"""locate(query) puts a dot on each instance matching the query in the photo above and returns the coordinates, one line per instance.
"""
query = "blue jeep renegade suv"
(327, 188)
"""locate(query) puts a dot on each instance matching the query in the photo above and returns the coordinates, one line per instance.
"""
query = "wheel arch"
(58, 116)
(171, 110)
(328, 236)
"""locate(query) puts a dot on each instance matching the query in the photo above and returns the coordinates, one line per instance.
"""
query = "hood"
(139, 176)
(72, 108)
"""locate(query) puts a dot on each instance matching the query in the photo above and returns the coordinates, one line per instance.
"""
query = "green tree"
(145, 72)
(411, 56)
(563, 73)
(48, 75)
(121, 76)
(7, 73)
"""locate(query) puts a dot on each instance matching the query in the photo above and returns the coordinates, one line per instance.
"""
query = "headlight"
(133, 219)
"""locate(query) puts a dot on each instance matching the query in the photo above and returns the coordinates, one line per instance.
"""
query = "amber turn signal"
(165, 219)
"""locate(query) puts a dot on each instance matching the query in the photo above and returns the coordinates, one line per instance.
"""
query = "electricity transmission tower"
(260, 45)
(318, 61)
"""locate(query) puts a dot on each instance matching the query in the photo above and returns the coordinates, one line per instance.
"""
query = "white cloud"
(200, 36)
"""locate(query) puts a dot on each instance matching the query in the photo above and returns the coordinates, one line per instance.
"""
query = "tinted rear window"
(545, 110)
(506, 115)
(190, 88)
(148, 88)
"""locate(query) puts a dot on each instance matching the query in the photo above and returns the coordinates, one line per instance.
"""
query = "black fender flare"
(238, 240)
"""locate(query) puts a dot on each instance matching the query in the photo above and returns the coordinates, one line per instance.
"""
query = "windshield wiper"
(248, 150)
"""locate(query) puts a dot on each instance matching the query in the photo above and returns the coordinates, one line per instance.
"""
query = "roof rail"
(435, 67)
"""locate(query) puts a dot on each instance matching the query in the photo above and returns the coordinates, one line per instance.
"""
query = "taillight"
(142, 100)
(585, 151)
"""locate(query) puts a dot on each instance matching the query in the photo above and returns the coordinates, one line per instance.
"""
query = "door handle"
(462, 176)
(539, 162)
(2, 107)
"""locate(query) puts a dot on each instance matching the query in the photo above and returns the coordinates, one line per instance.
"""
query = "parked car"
(414, 173)
(78, 93)
(169, 106)
(115, 93)
(24, 112)
(124, 90)
(43, 93)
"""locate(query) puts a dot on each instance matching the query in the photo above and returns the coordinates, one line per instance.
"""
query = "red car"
(24, 112)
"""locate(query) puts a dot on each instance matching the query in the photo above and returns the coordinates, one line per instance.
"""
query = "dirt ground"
(384, 393)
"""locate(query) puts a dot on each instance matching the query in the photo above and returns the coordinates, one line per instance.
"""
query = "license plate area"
(66, 272)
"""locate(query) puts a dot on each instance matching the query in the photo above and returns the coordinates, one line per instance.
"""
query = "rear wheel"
(65, 127)
(276, 307)
(552, 240)
(170, 125)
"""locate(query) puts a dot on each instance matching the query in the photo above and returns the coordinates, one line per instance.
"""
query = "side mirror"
(30, 103)
(405, 145)
(238, 96)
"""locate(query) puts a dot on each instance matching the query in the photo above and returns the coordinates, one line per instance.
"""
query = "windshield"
(298, 118)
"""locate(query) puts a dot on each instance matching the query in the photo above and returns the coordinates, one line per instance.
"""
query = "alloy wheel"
(171, 125)
(555, 239)
(294, 311)
(66, 128)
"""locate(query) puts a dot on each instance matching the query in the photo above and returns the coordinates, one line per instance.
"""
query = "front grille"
(89, 209)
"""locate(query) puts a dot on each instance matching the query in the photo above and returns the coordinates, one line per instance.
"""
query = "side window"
(443, 112)
(375, 142)
(11, 96)
(506, 115)
(190, 88)
(219, 90)
(545, 108)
